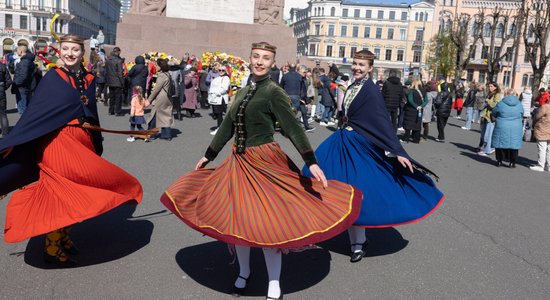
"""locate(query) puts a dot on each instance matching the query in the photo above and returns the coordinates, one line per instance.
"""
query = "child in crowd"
(137, 111)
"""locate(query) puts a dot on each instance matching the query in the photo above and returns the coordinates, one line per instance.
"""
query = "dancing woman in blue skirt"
(367, 154)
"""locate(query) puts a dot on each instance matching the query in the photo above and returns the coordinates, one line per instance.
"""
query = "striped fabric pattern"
(260, 199)
(75, 184)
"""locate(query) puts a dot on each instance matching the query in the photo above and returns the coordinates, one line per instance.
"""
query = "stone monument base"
(137, 34)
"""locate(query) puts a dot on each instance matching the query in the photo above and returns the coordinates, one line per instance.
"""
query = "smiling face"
(360, 68)
(261, 62)
(71, 54)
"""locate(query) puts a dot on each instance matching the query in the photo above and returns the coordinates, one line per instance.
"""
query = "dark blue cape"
(55, 103)
(368, 116)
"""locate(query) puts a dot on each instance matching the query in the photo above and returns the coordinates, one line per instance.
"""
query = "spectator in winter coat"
(508, 133)
(175, 76)
(443, 105)
(138, 74)
(203, 88)
(469, 105)
(416, 101)
(543, 97)
(393, 93)
(276, 74)
(114, 79)
(23, 78)
(458, 104)
(431, 94)
(542, 134)
(5, 83)
(526, 99)
(294, 85)
(487, 124)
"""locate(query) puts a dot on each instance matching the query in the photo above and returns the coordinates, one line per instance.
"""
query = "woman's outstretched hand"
(405, 162)
(202, 163)
(318, 174)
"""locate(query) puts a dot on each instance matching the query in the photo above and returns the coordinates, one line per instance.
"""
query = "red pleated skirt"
(260, 199)
(75, 184)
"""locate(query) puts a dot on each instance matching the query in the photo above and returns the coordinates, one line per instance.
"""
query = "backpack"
(171, 91)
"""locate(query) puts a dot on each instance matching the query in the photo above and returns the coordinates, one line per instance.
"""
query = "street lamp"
(422, 44)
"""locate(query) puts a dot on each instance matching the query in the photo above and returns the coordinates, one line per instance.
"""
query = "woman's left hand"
(405, 162)
(318, 174)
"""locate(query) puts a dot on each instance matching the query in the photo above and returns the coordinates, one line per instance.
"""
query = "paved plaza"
(490, 239)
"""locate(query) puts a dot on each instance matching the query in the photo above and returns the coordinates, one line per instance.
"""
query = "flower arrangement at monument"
(153, 56)
(239, 71)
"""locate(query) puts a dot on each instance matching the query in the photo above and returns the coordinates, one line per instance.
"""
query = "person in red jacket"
(544, 96)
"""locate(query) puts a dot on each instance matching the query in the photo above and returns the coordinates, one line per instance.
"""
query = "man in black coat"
(114, 79)
(5, 83)
(294, 85)
(443, 104)
(23, 78)
(393, 93)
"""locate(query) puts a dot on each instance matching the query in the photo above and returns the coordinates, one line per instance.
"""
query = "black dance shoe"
(499, 163)
(357, 256)
(512, 165)
(237, 292)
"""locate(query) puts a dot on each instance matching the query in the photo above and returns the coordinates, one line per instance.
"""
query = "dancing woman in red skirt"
(55, 162)
(257, 197)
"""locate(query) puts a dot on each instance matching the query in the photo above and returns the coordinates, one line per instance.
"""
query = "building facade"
(27, 21)
(398, 35)
(515, 70)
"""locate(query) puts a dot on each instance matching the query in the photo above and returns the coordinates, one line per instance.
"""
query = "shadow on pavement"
(465, 147)
(210, 265)
(105, 238)
(382, 241)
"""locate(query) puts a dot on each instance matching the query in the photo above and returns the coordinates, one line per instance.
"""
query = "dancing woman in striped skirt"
(257, 197)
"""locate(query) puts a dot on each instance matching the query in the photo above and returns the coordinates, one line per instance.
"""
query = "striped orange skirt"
(75, 184)
(260, 199)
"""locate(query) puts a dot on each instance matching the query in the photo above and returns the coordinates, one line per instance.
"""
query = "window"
(506, 78)
(470, 75)
(390, 33)
(496, 53)
(345, 12)
(317, 29)
(475, 29)
(487, 30)
(421, 18)
(500, 30)
(23, 4)
(368, 14)
(342, 51)
(332, 11)
(388, 54)
(41, 4)
(378, 33)
(531, 80)
(419, 35)
(343, 30)
(404, 16)
(356, 13)
(400, 54)
(416, 56)
(58, 4)
(312, 49)
(392, 15)
(513, 30)
(329, 51)
(353, 50)
(485, 52)
(23, 22)
(402, 34)
(416, 17)
(355, 31)
(473, 54)
(380, 14)
(481, 78)
(509, 54)
(367, 32)
(9, 4)
(524, 80)
(526, 58)
(38, 23)
(9, 21)
(331, 30)
(377, 53)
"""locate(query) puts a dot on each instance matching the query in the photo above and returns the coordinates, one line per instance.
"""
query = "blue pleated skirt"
(392, 195)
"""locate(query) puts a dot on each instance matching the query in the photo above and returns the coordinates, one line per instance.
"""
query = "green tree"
(442, 55)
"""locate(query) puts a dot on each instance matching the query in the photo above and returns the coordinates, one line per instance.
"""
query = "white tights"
(357, 235)
(273, 260)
